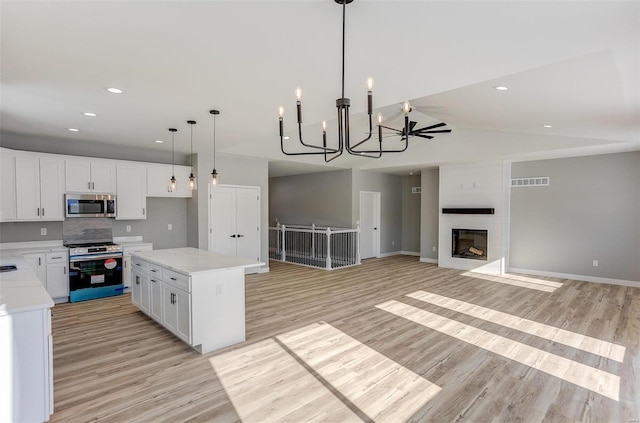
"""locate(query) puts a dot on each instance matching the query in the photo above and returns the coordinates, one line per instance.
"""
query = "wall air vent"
(416, 190)
(469, 210)
(538, 181)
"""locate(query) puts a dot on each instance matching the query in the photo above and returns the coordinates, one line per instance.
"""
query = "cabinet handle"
(240, 236)
(43, 212)
(65, 270)
(233, 236)
(39, 261)
(125, 264)
(93, 185)
(38, 211)
(89, 185)
(173, 279)
(137, 280)
(56, 258)
(153, 280)
(137, 264)
(153, 270)
(143, 211)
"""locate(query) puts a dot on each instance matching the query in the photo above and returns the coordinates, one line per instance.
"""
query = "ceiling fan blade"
(423, 136)
(437, 125)
(412, 124)
(439, 131)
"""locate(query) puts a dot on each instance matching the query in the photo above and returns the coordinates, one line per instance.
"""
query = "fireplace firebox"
(469, 244)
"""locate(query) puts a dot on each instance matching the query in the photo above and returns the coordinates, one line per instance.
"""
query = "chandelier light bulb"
(406, 108)
(298, 93)
(379, 118)
(370, 84)
(324, 126)
(281, 111)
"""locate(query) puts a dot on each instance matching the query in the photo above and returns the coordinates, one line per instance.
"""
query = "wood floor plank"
(114, 364)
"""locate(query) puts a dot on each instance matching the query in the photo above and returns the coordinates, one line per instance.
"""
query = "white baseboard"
(399, 253)
(594, 279)
(428, 260)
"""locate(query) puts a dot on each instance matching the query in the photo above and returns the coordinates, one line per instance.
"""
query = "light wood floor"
(392, 340)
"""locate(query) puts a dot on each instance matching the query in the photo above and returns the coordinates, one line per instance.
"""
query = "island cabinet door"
(136, 287)
(177, 312)
(155, 306)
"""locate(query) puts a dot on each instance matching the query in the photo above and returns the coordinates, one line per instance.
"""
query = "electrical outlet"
(43, 231)
(433, 248)
(128, 228)
(170, 227)
(595, 263)
(393, 243)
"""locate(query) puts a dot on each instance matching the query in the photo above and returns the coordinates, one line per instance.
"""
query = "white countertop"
(192, 260)
(21, 290)
(9, 250)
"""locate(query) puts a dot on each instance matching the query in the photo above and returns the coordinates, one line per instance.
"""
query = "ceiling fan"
(420, 132)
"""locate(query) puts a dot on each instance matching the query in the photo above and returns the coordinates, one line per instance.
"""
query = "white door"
(52, 189)
(222, 221)
(103, 177)
(247, 228)
(369, 224)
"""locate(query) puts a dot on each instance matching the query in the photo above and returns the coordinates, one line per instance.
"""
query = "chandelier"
(344, 136)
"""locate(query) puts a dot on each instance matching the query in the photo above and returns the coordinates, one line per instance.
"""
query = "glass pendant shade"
(215, 177)
(192, 184)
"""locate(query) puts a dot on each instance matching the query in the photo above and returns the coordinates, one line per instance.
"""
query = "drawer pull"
(153, 270)
(173, 279)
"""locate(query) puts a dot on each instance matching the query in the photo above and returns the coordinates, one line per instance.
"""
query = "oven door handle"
(94, 257)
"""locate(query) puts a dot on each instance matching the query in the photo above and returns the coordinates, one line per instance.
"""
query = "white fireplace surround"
(476, 185)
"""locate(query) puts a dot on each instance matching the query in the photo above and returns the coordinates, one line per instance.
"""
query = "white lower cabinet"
(127, 263)
(26, 366)
(53, 271)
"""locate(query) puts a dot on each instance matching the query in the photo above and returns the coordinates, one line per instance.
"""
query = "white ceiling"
(574, 65)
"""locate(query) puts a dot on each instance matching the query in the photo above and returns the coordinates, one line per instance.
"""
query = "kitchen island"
(195, 294)
(26, 346)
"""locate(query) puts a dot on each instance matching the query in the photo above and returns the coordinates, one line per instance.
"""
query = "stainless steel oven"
(90, 205)
(95, 271)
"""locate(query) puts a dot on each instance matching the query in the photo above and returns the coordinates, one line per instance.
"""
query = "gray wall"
(410, 214)
(160, 212)
(429, 213)
(390, 189)
(322, 198)
(590, 211)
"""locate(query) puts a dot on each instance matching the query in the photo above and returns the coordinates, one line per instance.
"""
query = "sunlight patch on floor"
(517, 280)
(319, 373)
(595, 380)
(265, 383)
(551, 333)
(383, 389)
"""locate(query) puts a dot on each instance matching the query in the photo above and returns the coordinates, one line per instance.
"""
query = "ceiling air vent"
(416, 190)
(538, 181)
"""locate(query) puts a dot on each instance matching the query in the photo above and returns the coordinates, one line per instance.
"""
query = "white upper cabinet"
(39, 188)
(131, 192)
(8, 186)
(158, 180)
(90, 176)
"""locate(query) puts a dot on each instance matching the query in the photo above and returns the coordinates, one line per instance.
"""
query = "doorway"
(369, 224)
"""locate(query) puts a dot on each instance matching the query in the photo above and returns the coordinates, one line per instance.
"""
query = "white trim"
(377, 220)
(428, 260)
(411, 253)
(585, 278)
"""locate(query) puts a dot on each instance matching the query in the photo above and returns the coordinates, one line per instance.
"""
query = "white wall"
(475, 185)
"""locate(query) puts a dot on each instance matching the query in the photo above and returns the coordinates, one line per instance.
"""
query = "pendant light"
(192, 184)
(172, 181)
(214, 175)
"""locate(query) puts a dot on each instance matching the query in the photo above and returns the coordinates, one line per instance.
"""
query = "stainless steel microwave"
(90, 205)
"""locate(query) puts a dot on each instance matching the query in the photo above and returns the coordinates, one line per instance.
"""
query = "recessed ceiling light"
(159, 141)
(547, 126)
(501, 88)
(74, 130)
(115, 90)
(90, 114)
(286, 138)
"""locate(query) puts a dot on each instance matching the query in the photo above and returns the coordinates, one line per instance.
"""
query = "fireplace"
(469, 244)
